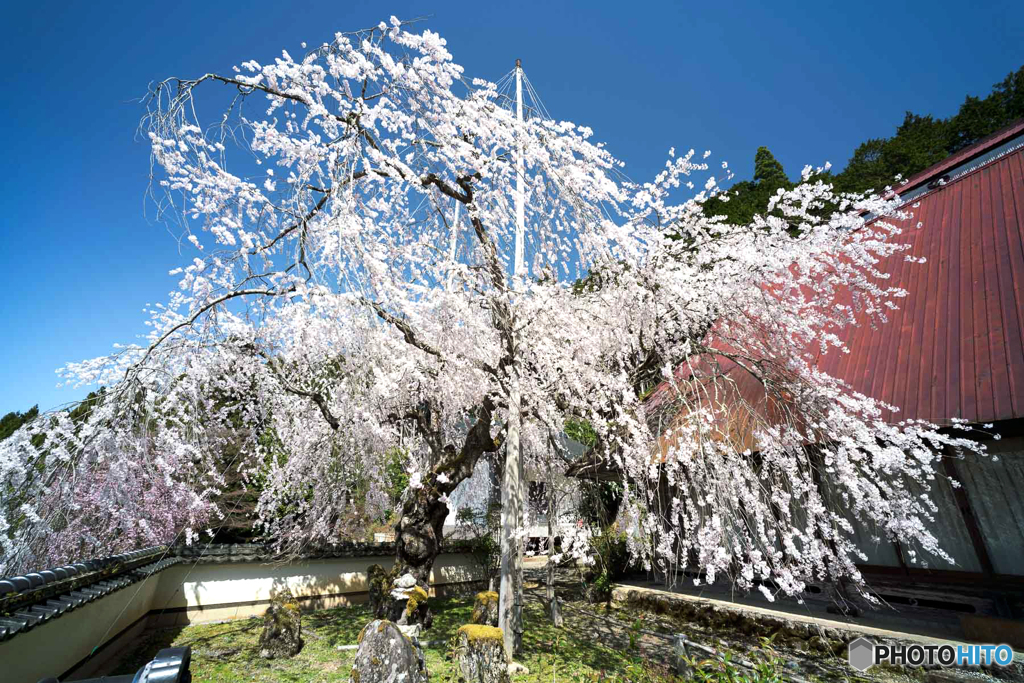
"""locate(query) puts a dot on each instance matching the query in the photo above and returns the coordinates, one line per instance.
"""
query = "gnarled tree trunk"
(420, 529)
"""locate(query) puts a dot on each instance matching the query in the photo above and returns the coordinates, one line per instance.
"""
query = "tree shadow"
(202, 636)
(144, 649)
(591, 646)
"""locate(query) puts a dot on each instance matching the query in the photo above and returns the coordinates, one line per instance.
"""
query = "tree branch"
(195, 316)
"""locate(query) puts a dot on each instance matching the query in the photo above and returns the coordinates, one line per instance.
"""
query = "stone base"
(480, 654)
(386, 654)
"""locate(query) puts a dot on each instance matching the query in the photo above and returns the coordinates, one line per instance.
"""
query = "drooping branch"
(407, 331)
(191, 319)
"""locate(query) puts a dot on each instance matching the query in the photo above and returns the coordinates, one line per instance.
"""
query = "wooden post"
(680, 657)
(551, 540)
(970, 521)
(556, 612)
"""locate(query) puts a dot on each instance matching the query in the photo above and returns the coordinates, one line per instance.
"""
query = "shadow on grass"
(217, 641)
(338, 625)
(228, 652)
(547, 648)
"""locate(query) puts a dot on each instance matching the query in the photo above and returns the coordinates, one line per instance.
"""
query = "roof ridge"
(964, 155)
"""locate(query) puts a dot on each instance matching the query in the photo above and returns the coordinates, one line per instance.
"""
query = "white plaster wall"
(203, 592)
(53, 647)
(209, 585)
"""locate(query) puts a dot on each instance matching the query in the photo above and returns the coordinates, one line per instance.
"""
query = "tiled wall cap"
(48, 576)
(31, 618)
(20, 583)
(35, 579)
(60, 605)
(7, 587)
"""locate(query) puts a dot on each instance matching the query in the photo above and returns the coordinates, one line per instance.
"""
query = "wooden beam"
(963, 502)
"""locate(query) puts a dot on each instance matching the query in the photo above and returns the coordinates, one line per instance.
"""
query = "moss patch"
(417, 597)
(475, 632)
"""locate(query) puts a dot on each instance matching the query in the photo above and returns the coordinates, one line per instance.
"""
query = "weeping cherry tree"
(351, 220)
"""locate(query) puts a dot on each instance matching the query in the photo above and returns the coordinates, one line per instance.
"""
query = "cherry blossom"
(324, 296)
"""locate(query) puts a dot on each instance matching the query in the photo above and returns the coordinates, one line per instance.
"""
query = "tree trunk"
(419, 532)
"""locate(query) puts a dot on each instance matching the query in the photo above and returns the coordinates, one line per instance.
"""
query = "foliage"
(12, 421)
(919, 142)
(581, 432)
(481, 530)
(767, 667)
(396, 478)
(747, 199)
(599, 502)
(635, 632)
(611, 562)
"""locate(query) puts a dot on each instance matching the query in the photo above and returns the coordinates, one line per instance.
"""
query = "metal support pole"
(510, 602)
(520, 179)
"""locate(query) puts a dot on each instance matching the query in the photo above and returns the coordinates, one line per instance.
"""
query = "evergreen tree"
(919, 142)
(750, 197)
(767, 169)
(12, 422)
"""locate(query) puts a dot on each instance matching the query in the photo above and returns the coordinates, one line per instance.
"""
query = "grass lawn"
(228, 651)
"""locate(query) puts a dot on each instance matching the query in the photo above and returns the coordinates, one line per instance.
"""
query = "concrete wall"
(52, 648)
(81, 642)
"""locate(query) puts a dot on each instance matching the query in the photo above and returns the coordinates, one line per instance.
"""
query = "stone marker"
(480, 655)
(386, 655)
(378, 584)
(282, 628)
(409, 603)
(485, 609)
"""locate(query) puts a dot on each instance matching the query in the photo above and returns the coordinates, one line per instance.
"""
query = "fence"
(75, 634)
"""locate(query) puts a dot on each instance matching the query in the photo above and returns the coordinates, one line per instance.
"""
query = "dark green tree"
(768, 172)
(12, 422)
(748, 198)
(919, 142)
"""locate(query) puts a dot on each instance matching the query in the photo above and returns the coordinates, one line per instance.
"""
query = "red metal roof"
(955, 347)
(965, 155)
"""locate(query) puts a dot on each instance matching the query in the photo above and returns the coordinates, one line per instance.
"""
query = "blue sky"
(79, 259)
